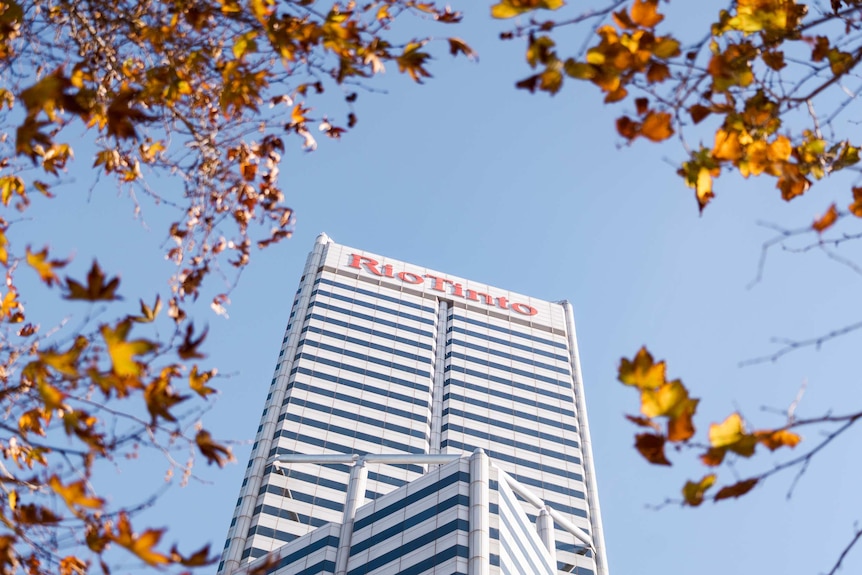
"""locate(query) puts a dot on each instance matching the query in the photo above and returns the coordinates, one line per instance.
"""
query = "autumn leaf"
(458, 46)
(214, 452)
(160, 396)
(96, 289)
(44, 267)
(777, 438)
(856, 207)
(140, 544)
(656, 126)
(511, 8)
(66, 362)
(642, 371)
(75, 494)
(198, 381)
(644, 422)
(692, 493)
(651, 446)
(189, 348)
(736, 490)
(123, 353)
(412, 61)
(826, 221)
(148, 314)
(644, 13)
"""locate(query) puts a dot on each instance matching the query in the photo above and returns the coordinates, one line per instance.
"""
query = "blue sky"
(539, 195)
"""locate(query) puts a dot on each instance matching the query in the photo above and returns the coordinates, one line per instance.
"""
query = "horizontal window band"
(513, 442)
(384, 297)
(328, 320)
(414, 519)
(493, 406)
(372, 306)
(364, 342)
(512, 332)
(359, 386)
(366, 317)
(499, 353)
(301, 497)
(316, 390)
(517, 461)
(514, 384)
(410, 546)
(364, 357)
(513, 370)
(426, 491)
(507, 343)
(344, 433)
(362, 371)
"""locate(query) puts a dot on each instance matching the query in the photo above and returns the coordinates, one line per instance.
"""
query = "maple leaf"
(511, 8)
(66, 362)
(777, 438)
(75, 494)
(148, 314)
(122, 118)
(140, 544)
(160, 396)
(197, 381)
(44, 267)
(123, 352)
(692, 493)
(855, 208)
(214, 452)
(96, 288)
(642, 371)
(645, 13)
(189, 348)
(412, 61)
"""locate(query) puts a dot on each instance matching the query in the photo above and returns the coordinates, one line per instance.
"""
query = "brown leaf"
(736, 490)
(778, 438)
(214, 452)
(656, 126)
(644, 422)
(96, 289)
(189, 347)
(651, 446)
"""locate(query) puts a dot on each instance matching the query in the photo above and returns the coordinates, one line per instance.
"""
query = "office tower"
(381, 358)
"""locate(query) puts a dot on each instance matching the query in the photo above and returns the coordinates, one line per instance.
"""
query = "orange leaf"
(642, 372)
(645, 13)
(643, 422)
(778, 438)
(651, 446)
(693, 493)
(656, 126)
(736, 490)
(141, 545)
(856, 207)
(714, 456)
(826, 221)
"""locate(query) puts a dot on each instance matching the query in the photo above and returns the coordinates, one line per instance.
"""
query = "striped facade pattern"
(370, 364)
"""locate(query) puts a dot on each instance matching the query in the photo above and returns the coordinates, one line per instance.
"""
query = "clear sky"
(539, 195)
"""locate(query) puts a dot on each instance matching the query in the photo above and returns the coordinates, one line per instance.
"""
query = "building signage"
(440, 284)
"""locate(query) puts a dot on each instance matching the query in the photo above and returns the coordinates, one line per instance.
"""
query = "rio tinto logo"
(438, 284)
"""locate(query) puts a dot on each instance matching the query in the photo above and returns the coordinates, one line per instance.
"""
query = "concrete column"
(437, 393)
(598, 533)
(479, 545)
(356, 485)
(545, 527)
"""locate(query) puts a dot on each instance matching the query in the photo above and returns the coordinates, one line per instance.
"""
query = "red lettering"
(370, 264)
(410, 278)
(474, 296)
(457, 290)
(387, 271)
(438, 282)
(524, 309)
(502, 302)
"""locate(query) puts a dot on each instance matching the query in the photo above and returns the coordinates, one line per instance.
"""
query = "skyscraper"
(384, 357)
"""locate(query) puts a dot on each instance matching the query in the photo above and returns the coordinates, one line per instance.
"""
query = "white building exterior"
(384, 357)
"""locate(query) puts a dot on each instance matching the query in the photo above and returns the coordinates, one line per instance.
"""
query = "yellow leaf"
(703, 187)
(123, 353)
(692, 493)
(512, 8)
(75, 494)
(66, 362)
(197, 381)
(140, 544)
(731, 434)
(642, 372)
(664, 400)
(45, 268)
(727, 146)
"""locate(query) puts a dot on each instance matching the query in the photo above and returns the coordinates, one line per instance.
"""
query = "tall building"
(388, 373)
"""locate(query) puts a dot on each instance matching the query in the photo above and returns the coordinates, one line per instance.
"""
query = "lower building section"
(465, 516)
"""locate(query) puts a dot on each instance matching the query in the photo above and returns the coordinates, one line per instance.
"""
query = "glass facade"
(380, 356)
